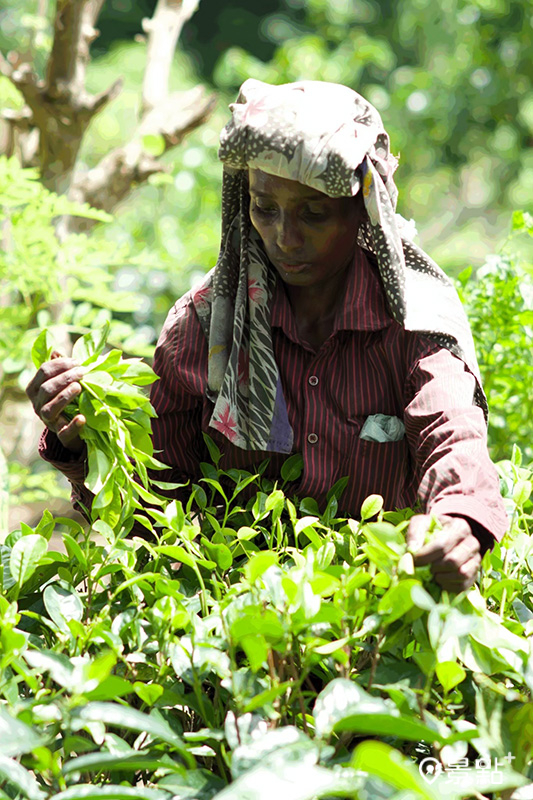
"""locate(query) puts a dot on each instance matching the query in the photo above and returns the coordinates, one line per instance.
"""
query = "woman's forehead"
(265, 183)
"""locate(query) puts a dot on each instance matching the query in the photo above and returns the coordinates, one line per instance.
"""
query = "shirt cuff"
(72, 465)
(488, 524)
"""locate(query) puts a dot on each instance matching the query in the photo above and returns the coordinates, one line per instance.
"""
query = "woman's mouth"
(297, 266)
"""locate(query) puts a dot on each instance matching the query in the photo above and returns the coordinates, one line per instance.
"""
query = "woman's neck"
(315, 308)
(319, 302)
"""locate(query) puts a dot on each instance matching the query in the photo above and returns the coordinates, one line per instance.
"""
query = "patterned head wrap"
(328, 137)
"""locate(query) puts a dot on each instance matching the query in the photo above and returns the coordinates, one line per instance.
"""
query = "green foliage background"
(292, 653)
(454, 86)
(257, 659)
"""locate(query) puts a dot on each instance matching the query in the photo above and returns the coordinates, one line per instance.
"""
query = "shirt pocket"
(378, 467)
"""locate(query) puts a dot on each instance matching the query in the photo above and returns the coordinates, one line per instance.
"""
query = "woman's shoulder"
(184, 330)
(188, 311)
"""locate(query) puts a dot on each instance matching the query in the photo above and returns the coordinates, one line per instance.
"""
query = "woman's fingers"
(462, 578)
(416, 532)
(453, 552)
(54, 386)
(51, 390)
(68, 432)
(54, 397)
(49, 370)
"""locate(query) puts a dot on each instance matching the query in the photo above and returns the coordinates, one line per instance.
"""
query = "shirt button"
(313, 380)
(312, 438)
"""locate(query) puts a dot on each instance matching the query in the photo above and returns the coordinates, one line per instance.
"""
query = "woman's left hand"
(453, 552)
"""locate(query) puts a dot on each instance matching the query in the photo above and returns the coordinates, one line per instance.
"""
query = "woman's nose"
(288, 234)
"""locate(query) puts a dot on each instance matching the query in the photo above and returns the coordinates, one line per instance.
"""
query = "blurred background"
(453, 83)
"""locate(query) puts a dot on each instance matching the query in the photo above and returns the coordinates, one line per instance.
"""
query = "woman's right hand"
(52, 388)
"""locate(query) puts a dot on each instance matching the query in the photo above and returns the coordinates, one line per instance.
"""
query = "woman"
(321, 331)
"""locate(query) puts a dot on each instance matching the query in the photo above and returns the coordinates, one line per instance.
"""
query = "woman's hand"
(52, 388)
(453, 552)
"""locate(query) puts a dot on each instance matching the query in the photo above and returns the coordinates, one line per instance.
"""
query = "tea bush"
(250, 650)
(499, 304)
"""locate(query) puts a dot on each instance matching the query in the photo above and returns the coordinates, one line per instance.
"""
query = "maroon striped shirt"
(368, 365)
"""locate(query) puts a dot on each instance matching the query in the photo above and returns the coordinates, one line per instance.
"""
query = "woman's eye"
(265, 211)
(315, 213)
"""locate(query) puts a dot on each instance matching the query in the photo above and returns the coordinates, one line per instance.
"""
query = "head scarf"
(328, 137)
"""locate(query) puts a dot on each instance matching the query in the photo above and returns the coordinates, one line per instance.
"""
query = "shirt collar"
(364, 306)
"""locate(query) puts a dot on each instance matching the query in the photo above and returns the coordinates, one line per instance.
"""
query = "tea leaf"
(25, 556)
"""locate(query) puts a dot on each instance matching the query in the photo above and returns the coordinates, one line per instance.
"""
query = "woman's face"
(308, 236)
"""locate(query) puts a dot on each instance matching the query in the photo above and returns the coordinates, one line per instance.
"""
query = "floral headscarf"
(328, 137)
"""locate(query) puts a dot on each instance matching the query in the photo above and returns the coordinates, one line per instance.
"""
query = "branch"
(98, 101)
(65, 70)
(177, 115)
(73, 33)
(61, 109)
(163, 33)
(111, 180)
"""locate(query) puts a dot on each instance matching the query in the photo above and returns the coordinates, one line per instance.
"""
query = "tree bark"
(163, 33)
(49, 131)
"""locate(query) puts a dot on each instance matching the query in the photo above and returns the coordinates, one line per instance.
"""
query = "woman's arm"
(458, 483)
(179, 361)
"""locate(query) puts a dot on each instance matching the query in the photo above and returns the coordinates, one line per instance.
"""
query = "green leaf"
(516, 456)
(148, 692)
(245, 533)
(140, 760)
(219, 553)
(99, 467)
(45, 526)
(62, 604)
(292, 468)
(175, 516)
(195, 784)
(106, 496)
(94, 412)
(522, 492)
(74, 550)
(259, 564)
(290, 774)
(140, 374)
(405, 728)
(16, 737)
(110, 688)
(19, 777)
(256, 650)
(178, 553)
(371, 506)
(88, 347)
(397, 601)
(381, 760)
(450, 674)
(41, 350)
(331, 647)
(133, 720)
(8, 580)
(59, 666)
(214, 451)
(25, 556)
(267, 697)
(88, 792)
(340, 698)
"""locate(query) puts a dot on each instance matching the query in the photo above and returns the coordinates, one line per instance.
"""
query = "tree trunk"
(48, 132)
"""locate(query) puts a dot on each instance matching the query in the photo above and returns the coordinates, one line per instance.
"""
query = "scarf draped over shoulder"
(327, 137)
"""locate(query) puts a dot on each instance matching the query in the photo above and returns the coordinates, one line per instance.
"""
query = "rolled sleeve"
(447, 438)
(180, 361)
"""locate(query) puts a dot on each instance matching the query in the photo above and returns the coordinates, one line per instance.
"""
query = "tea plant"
(253, 649)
